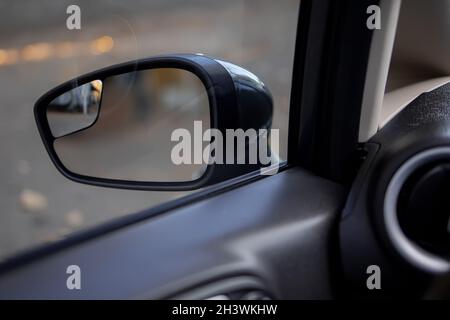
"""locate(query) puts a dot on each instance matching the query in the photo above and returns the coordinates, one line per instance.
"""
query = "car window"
(40, 48)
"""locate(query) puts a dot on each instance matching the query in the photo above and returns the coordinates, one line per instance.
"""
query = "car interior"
(365, 181)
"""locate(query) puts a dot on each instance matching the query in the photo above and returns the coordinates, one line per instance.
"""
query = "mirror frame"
(223, 106)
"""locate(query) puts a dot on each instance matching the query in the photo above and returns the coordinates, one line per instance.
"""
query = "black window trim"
(332, 53)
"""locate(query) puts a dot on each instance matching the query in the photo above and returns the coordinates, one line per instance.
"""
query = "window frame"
(330, 69)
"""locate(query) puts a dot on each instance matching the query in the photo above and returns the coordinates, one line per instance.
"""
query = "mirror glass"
(75, 109)
(129, 136)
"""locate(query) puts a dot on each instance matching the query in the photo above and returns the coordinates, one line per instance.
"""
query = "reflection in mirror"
(75, 109)
(131, 139)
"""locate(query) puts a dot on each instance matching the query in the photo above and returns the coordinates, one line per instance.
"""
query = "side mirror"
(128, 126)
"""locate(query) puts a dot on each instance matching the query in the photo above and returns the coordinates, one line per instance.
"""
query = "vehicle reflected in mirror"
(75, 109)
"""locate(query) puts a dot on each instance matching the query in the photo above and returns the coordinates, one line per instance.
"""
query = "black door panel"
(276, 230)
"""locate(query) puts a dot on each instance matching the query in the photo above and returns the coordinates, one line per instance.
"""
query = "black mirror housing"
(237, 100)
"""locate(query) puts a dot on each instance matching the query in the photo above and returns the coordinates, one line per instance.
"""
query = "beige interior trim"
(396, 100)
(377, 69)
